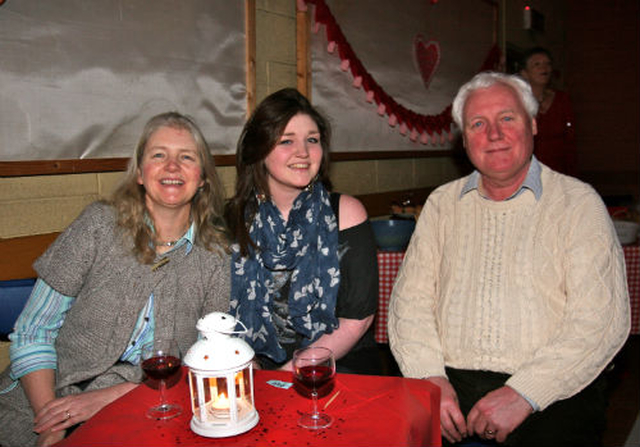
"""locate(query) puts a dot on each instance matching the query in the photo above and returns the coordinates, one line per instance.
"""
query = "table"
(389, 262)
(368, 411)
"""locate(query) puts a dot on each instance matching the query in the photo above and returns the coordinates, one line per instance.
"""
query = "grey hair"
(488, 79)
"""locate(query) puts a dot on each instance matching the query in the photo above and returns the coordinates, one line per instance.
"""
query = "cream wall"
(45, 204)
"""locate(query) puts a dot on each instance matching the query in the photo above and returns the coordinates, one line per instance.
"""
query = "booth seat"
(14, 293)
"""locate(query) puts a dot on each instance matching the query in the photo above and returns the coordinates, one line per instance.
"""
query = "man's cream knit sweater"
(535, 289)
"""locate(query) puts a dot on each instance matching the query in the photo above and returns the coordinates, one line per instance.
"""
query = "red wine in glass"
(161, 368)
(317, 377)
(161, 363)
(313, 368)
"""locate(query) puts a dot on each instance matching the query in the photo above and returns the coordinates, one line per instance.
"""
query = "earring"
(309, 187)
(261, 197)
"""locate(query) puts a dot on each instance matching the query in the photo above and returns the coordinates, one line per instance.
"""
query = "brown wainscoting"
(83, 166)
(379, 204)
(18, 254)
(58, 167)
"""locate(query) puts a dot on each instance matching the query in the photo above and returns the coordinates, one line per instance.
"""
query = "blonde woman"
(144, 265)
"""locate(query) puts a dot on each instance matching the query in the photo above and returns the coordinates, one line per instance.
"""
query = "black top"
(357, 295)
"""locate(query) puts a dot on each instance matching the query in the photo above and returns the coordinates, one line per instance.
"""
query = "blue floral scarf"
(307, 246)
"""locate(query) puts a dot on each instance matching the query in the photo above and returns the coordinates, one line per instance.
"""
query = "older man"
(512, 296)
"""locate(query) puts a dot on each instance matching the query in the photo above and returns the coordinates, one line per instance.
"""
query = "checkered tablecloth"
(389, 263)
(632, 259)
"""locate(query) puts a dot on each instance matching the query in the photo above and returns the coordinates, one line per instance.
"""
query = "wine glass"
(161, 363)
(314, 368)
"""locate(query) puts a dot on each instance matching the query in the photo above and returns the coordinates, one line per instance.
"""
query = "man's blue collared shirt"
(532, 182)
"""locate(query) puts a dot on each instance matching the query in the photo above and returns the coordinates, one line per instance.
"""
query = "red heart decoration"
(427, 57)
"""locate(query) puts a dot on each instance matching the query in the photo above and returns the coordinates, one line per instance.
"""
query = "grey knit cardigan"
(90, 262)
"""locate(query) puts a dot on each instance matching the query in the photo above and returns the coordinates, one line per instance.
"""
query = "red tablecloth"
(389, 263)
(369, 411)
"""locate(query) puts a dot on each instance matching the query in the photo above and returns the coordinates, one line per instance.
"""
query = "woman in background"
(146, 265)
(304, 269)
(554, 144)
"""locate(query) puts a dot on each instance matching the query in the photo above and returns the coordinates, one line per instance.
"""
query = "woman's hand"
(50, 437)
(452, 423)
(62, 413)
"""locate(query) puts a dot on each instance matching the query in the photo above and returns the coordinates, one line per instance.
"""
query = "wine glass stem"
(314, 398)
(163, 388)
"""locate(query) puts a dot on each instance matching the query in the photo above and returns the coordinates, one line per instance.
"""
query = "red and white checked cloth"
(632, 259)
(388, 265)
(389, 262)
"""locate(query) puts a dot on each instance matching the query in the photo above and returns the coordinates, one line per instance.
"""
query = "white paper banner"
(79, 78)
(390, 38)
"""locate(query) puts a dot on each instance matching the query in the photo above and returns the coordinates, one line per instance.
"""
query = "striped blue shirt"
(36, 329)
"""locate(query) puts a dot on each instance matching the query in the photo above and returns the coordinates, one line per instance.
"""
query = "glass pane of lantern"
(210, 388)
(239, 384)
(245, 380)
(193, 388)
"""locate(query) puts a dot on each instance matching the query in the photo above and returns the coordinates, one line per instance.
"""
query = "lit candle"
(221, 402)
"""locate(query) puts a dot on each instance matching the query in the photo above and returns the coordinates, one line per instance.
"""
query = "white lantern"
(221, 379)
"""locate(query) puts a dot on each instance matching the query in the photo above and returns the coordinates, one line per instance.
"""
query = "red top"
(368, 411)
(555, 142)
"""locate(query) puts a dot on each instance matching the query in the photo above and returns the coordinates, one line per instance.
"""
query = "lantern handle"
(231, 332)
(243, 331)
(220, 323)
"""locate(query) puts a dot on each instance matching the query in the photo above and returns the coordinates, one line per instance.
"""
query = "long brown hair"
(207, 206)
(259, 137)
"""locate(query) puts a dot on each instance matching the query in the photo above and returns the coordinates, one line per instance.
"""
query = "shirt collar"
(532, 181)
(187, 238)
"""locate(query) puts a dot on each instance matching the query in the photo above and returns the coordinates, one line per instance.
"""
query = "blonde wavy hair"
(206, 206)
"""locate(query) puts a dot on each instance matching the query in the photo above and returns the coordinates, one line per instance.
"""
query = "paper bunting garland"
(426, 129)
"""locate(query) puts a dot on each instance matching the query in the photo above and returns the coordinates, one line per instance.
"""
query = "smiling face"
(171, 170)
(295, 160)
(538, 70)
(498, 136)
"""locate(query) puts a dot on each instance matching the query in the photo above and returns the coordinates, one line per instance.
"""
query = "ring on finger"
(488, 432)
(68, 415)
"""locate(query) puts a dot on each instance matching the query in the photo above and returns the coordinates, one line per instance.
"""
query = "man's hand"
(452, 423)
(498, 413)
